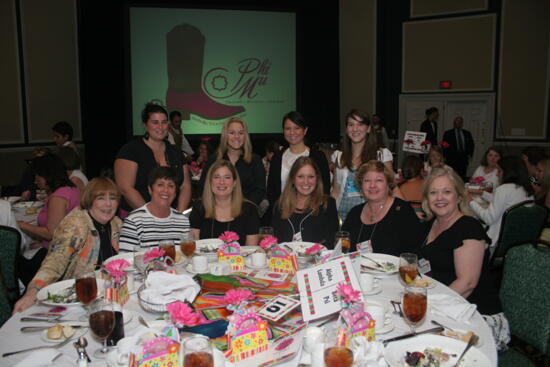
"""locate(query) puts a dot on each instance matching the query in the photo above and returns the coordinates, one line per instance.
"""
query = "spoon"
(143, 322)
(81, 345)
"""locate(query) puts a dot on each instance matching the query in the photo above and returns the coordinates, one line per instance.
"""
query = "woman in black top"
(223, 207)
(455, 243)
(235, 146)
(294, 130)
(304, 212)
(139, 157)
(384, 223)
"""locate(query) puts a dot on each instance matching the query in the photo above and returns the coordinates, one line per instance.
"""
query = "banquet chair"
(5, 307)
(525, 297)
(520, 223)
(10, 245)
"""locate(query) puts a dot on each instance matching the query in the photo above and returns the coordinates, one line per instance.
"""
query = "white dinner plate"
(457, 333)
(28, 204)
(300, 247)
(395, 352)
(383, 259)
(208, 247)
(128, 256)
(61, 286)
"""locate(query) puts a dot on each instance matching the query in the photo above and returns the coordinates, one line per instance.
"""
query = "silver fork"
(55, 346)
(471, 342)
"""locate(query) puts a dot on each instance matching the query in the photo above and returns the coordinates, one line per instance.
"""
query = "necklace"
(375, 214)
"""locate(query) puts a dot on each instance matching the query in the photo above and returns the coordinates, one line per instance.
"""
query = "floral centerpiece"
(268, 243)
(117, 288)
(230, 251)
(185, 319)
(154, 260)
(353, 320)
(229, 237)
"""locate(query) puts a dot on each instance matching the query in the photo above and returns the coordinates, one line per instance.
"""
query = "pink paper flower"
(443, 144)
(478, 179)
(347, 293)
(237, 296)
(182, 315)
(229, 236)
(408, 141)
(268, 242)
(155, 253)
(314, 249)
(116, 268)
(425, 142)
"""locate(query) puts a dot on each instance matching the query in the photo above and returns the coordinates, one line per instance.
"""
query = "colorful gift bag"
(231, 253)
(118, 292)
(357, 323)
(282, 262)
(159, 352)
(249, 338)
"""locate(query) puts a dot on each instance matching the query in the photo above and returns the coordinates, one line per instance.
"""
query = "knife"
(410, 335)
(24, 319)
(31, 329)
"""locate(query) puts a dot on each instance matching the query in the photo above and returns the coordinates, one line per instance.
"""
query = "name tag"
(364, 246)
(297, 237)
(424, 266)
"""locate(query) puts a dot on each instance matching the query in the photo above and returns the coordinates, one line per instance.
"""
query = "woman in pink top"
(63, 196)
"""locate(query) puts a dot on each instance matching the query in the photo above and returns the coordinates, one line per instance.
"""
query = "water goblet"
(264, 232)
(415, 304)
(102, 323)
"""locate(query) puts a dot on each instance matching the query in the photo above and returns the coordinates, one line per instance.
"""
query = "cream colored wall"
(357, 56)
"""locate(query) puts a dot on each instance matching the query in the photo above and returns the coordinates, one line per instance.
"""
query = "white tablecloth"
(11, 339)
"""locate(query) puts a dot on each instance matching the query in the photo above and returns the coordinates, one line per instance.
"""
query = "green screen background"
(231, 36)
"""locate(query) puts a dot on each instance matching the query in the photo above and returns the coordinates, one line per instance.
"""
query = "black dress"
(440, 253)
(394, 234)
(319, 228)
(248, 223)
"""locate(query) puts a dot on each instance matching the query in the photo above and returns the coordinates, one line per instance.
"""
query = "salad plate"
(389, 264)
(63, 293)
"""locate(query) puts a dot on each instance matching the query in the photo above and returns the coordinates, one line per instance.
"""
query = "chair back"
(525, 294)
(10, 245)
(520, 223)
(5, 304)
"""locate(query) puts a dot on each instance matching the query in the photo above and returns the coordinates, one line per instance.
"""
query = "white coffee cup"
(222, 268)
(313, 336)
(377, 311)
(259, 258)
(200, 263)
(124, 347)
(367, 282)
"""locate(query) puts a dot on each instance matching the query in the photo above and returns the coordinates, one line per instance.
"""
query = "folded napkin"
(456, 308)
(41, 357)
(367, 354)
(164, 288)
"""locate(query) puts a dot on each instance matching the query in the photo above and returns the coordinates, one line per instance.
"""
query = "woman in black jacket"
(294, 130)
(304, 212)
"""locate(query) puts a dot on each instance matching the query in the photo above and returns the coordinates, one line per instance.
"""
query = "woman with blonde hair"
(384, 223)
(304, 212)
(85, 238)
(236, 147)
(223, 207)
(456, 246)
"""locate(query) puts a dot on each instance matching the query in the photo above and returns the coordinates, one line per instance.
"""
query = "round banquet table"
(12, 339)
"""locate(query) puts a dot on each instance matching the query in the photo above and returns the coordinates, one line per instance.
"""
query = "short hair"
(412, 167)
(174, 114)
(288, 199)
(166, 173)
(97, 187)
(431, 110)
(51, 168)
(247, 146)
(208, 198)
(534, 154)
(515, 171)
(151, 108)
(70, 158)
(458, 185)
(63, 128)
(297, 118)
(493, 148)
(375, 166)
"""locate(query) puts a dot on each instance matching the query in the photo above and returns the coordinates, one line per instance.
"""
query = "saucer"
(375, 290)
(388, 326)
(189, 268)
(248, 264)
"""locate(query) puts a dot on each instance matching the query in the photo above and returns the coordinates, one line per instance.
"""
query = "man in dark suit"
(429, 126)
(461, 147)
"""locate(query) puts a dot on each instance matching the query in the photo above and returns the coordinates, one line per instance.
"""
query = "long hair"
(247, 146)
(412, 167)
(208, 198)
(458, 185)
(288, 199)
(545, 184)
(437, 149)
(493, 148)
(370, 147)
(52, 169)
(514, 171)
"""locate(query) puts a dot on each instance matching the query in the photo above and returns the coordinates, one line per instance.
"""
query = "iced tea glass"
(336, 355)
(197, 352)
(408, 267)
(343, 237)
(415, 304)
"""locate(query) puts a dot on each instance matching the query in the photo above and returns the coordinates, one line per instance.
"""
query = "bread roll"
(55, 332)
(68, 331)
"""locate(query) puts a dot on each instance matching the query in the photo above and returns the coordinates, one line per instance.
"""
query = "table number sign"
(414, 142)
(278, 307)
(317, 287)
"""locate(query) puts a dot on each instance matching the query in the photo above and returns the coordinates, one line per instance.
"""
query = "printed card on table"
(278, 307)
(412, 142)
(317, 286)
